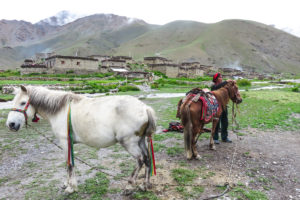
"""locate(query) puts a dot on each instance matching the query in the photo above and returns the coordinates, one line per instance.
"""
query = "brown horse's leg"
(188, 135)
(196, 131)
(188, 138)
(213, 129)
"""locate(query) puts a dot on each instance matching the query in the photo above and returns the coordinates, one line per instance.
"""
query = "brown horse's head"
(233, 91)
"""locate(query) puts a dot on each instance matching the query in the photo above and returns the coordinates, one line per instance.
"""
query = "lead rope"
(227, 183)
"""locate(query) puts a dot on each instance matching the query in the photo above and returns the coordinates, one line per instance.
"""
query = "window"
(62, 62)
(78, 63)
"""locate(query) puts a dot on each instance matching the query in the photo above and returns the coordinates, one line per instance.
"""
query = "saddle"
(210, 105)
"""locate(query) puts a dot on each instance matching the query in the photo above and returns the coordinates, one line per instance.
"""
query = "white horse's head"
(21, 111)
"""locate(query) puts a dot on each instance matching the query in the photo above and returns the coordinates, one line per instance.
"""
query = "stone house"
(156, 60)
(29, 68)
(100, 57)
(60, 63)
(190, 70)
(127, 59)
(28, 62)
(170, 70)
(114, 63)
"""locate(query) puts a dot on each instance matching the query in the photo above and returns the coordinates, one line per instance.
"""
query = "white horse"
(97, 122)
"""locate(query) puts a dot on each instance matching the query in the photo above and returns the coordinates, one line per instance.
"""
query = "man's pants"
(223, 121)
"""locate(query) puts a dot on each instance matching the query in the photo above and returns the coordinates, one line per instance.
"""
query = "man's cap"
(216, 76)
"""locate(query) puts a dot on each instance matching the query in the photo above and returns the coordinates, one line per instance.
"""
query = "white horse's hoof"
(65, 185)
(69, 190)
(142, 187)
(128, 190)
(198, 157)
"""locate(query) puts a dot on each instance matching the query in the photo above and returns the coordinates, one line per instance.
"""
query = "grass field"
(40, 168)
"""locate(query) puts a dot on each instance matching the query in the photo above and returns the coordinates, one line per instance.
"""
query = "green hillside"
(229, 43)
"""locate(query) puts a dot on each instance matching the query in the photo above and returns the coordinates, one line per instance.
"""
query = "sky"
(283, 14)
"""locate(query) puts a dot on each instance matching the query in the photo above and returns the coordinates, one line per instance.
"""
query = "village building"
(100, 57)
(60, 64)
(170, 70)
(114, 65)
(163, 65)
(30, 68)
(156, 60)
(127, 59)
(190, 70)
(28, 62)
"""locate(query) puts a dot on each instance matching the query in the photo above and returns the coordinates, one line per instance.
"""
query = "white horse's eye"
(23, 103)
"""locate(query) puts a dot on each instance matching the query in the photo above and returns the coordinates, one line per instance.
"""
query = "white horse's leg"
(147, 164)
(71, 183)
(134, 149)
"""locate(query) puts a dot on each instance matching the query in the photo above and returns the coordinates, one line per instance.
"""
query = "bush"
(243, 82)
(158, 73)
(295, 89)
(70, 72)
(128, 88)
(154, 85)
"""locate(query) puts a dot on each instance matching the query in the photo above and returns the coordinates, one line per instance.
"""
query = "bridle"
(234, 98)
(23, 111)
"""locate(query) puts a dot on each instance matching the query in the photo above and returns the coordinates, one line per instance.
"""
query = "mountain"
(229, 43)
(13, 32)
(60, 19)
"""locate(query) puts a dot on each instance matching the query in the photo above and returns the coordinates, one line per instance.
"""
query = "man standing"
(223, 121)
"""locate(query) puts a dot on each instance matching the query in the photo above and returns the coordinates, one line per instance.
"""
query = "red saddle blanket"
(210, 105)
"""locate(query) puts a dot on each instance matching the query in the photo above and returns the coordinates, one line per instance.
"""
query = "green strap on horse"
(70, 140)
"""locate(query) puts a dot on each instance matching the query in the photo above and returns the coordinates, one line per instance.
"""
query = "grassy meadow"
(40, 169)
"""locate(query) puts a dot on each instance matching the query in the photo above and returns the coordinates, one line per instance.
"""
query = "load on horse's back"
(199, 108)
(97, 122)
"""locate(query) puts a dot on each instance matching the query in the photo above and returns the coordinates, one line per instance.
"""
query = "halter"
(23, 111)
(234, 98)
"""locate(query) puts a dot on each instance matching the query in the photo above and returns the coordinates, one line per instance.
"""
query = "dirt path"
(266, 161)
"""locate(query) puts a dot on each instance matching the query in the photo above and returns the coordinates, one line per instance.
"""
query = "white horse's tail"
(151, 126)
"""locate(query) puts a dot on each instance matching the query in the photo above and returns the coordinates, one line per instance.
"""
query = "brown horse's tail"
(187, 124)
(178, 114)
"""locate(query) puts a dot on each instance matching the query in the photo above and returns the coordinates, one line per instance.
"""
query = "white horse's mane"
(50, 101)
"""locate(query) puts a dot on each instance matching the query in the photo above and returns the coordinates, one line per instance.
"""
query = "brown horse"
(190, 114)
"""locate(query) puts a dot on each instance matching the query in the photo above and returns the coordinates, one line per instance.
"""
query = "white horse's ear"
(23, 88)
(15, 90)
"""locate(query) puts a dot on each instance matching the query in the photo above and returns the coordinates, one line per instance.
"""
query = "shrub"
(158, 73)
(243, 82)
(295, 89)
(154, 85)
(128, 88)
(70, 72)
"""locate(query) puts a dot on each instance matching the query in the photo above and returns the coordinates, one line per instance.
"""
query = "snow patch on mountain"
(61, 18)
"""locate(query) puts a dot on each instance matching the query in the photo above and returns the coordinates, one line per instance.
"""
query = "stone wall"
(172, 71)
(113, 63)
(72, 63)
(33, 70)
(145, 75)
